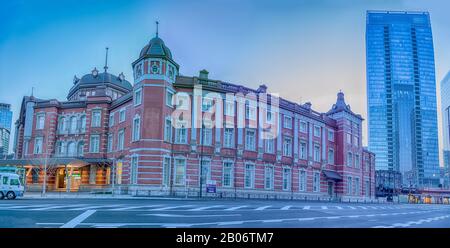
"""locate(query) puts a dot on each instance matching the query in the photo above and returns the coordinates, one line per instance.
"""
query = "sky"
(302, 50)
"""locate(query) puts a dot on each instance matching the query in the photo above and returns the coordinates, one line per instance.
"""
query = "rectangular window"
(180, 171)
(303, 127)
(330, 156)
(349, 185)
(110, 142)
(287, 122)
(287, 146)
(134, 169)
(207, 104)
(330, 135)
(96, 118)
(38, 143)
(349, 138)
(357, 161)
(287, 178)
(270, 144)
(316, 153)
(136, 128)
(303, 150)
(206, 136)
(137, 96)
(269, 117)
(249, 177)
(181, 133)
(166, 172)
(268, 177)
(316, 131)
(168, 130)
(316, 181)
(95, 143)
(229, 108)
(367, 188)
(349, 159)
(228, 137)
(227, 173)
(206, 171)
(355, 141)
(111, 119)
(120, 140)
(169, 98)
(122, 115)
(357, 186)
(250, 140)
(40, 121)
(250, 112)
(302, 180)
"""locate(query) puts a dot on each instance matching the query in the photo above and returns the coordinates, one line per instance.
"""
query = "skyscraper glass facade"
(445, 104)
(5, 128)
(401, 95)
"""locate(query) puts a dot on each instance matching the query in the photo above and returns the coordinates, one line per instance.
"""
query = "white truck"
(10, 186)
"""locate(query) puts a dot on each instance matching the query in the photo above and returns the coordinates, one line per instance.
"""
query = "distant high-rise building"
(401, 95)
(5, 128)
(445, 104)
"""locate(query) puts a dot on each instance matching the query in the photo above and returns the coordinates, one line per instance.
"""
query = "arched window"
(80, 149)
(73, 124)
(62, 124)
(71, 149)
(60, 148)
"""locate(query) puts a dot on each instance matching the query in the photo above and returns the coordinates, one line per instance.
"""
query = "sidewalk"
(85, 195)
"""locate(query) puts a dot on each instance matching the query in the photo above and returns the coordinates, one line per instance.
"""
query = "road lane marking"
(262, 208)
(235, 208)
(94, 207)
(324, 207)
(190, 216)
(362, 207)
(203, 208)
(351, 207)
(168, 208)
(57, 206)
(338, 207)
(77, 220)
(306, 207)
(230, 223)
(133, 207)
(24, 206)
(286, 208)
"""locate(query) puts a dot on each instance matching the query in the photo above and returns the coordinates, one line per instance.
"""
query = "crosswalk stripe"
(338, 207)
(96, 206)
(362, 207)
(286, 207)
(235, 208)
(203, 208)
(351, 207)
(306, 207)
(262, 208)
(57, 206)
(324, 207)
(168, 208)
(134, 207)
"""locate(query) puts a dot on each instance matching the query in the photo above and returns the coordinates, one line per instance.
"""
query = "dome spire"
(106, 60)
(157, 23)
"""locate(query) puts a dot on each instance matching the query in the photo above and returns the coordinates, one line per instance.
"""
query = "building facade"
(445, 105)
(5, 128)
(401, 95)
(169, 134)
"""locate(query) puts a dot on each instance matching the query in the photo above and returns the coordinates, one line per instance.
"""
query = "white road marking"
(57, 206)
(168, 208)
(24, 206)
(338, 207)
(135, 207)
(230, 223)
(77, 220)
(235, 208)
(286, 207)
(262, 208)
(191, 216)
(362, 207)
(203, 208)
(324, 207)
(351, 207)
(306, 207)
(95, 207)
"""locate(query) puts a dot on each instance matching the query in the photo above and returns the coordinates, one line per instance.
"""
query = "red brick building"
(152, 138)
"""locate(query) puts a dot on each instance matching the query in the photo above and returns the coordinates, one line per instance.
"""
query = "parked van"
(10, 186)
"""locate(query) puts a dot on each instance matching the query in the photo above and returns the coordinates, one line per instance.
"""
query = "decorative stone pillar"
(93, 174)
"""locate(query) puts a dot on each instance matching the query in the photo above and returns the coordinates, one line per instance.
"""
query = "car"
(10, 186)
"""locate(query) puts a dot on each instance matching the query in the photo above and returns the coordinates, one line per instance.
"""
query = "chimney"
(203, 74)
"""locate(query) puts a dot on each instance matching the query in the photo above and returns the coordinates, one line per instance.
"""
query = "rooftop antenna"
(106, 60)
(157, 23)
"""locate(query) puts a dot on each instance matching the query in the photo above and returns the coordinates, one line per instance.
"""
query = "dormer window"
(121, 76)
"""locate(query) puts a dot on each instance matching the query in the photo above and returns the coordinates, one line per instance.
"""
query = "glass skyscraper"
(445, 104)
(401, 95)
(5, 128)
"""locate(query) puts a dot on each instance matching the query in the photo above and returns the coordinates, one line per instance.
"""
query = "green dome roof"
(156, 48)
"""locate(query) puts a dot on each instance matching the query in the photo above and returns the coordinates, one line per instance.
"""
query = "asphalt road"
(115, 213)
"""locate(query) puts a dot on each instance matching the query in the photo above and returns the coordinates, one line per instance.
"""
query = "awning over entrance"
(332, 175)
(54, 161)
